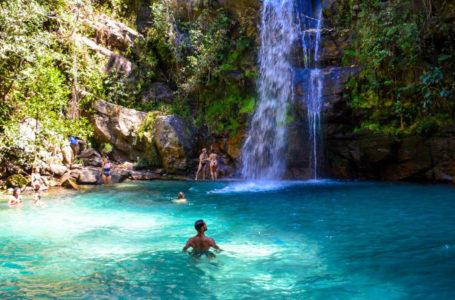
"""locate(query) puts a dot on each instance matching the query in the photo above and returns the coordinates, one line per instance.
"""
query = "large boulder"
(113, 33)
(118, 126)
(58, 170)
(90, 157)
(174, 141)
(159, 140)
(89, 176)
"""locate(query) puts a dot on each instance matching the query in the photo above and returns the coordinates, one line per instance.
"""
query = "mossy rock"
(17, 180)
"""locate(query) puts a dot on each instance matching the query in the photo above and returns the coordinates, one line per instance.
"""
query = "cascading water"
(263, 151)
(313, 97)
(284, 22)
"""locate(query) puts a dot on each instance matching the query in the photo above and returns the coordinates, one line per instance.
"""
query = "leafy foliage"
(407, 56)
(34, 79)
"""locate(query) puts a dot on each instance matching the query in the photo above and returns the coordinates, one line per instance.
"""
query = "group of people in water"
(15, 200)
(38, 184)
(211, 161)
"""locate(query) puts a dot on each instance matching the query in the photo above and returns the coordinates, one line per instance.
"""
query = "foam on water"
(268, 185)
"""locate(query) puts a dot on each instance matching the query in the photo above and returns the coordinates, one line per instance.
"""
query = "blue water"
(299, 240)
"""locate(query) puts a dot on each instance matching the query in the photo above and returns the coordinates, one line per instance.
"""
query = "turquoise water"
(298, 240)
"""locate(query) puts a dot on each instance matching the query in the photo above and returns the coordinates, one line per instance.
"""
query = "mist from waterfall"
(263, 150)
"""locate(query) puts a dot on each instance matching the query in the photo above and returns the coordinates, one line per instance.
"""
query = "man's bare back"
(200, 242)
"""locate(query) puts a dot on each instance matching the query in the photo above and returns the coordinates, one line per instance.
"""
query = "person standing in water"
(213, 165)
(15, 200)
(200, 242)
(106, 171)
(203, 162)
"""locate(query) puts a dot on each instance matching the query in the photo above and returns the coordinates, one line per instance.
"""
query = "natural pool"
(298, 240)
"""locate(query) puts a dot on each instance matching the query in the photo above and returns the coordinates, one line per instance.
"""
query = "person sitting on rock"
(203, 163)
(180, 199)
(37, 181)
(15, 200)
(106, 171)
(213, 165)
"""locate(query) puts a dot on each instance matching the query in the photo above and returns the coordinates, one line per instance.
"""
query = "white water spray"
(263, 151)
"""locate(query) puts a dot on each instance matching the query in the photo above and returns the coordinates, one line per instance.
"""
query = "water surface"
(300, 240)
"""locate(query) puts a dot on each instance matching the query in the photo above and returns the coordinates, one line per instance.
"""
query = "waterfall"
(310, 44)
(263, 151)
(284, 23)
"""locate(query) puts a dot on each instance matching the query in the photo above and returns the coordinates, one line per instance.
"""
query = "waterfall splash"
(313, 98)
(263, 151)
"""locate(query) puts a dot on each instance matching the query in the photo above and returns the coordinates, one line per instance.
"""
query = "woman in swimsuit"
(15, 200)
(37, 181)
(106, 171)
(213, 165)
(203, 161)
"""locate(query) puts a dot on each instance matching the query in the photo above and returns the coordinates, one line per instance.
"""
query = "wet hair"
(16, 191)
(181, 195)
(199, 224)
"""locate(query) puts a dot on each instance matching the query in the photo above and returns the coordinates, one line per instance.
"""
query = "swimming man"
(200, 242)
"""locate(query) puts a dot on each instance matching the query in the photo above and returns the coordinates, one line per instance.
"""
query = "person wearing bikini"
(106, 171)
(203, 163)
(213, 158)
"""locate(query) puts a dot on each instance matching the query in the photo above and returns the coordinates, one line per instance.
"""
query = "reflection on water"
(318, 239)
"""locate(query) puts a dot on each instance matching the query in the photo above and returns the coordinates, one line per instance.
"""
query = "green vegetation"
(205, 58)
(50, 70)
(406, 50)
(105, 148)
(37, 78)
